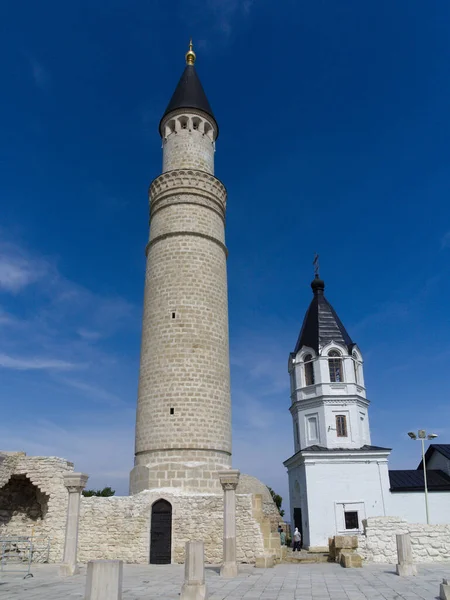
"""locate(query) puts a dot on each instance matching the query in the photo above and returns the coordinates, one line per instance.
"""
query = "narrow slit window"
(172, 411)
(173, 315)
(341, 425)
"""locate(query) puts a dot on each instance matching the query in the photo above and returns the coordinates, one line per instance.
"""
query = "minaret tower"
(183, 424)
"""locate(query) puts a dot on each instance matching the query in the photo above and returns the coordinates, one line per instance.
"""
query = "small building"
(407, 488)
(337, 477)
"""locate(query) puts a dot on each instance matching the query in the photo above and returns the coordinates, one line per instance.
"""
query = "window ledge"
(349, 531)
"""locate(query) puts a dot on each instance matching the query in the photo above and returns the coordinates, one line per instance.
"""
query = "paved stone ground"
(284, 582)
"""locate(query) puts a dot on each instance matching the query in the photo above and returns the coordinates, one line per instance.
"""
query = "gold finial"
(190, 54)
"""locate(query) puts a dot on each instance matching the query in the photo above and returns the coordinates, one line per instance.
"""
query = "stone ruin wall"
(33, 499)
(430, 543)
(119, 527)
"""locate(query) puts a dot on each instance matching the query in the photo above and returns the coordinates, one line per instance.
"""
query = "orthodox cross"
(316, 264)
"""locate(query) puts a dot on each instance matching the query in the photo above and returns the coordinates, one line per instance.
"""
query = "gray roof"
(412, 481)
(321, 324)
(443, 449)
(364, 448)
(189, 93)
(316, 448)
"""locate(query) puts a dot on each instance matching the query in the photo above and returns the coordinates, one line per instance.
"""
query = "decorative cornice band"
(218, 211)
(187, 181)
(164, 236)
(180, 449)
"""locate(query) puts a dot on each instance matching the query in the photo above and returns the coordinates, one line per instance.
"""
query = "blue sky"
(334, 139)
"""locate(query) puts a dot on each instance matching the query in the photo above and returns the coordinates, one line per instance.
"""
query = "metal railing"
(17, 553)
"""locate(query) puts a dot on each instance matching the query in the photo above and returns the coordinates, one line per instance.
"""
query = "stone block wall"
(33, 498)
(430, 543)
(183, 424)
(119, 527)
(33, 502)
(188, 148)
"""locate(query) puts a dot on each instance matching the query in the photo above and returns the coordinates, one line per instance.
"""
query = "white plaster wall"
(358, 435)
(298, 498)
(410, 506)
(437, 461)
(325, 411)
(334, 483)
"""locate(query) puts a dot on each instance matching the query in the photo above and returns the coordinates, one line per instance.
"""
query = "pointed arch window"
(309, 369)
(335, 366)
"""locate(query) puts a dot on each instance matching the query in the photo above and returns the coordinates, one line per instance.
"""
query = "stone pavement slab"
(284, 582)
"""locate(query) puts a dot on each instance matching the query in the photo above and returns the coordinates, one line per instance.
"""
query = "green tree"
(104, 493)
(277, 499)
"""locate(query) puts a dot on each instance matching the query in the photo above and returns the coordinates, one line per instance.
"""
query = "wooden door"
(161, 533)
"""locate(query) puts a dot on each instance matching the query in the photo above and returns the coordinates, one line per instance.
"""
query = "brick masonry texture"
(183, 423)
(119, 527)
(430, 543)
(188, 148)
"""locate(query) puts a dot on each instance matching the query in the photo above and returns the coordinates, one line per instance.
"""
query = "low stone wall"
(430, 543)
(33, 502)
(119, 527)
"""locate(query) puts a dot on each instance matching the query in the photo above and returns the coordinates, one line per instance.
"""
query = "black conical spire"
(189, 92)
(321, 324)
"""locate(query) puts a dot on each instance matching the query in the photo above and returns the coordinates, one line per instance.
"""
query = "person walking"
(297, 540)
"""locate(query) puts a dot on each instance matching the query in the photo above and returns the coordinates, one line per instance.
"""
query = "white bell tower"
(336, 477)
(328, 399)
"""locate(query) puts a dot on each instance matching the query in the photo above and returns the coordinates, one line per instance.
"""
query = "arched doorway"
(161, 533)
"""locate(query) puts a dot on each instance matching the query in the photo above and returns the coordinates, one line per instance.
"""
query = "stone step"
(305, 557)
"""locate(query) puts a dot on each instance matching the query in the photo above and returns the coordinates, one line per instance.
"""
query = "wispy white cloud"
(101, 448)
(261, 358)
(35, 363)
(94, 391)
(40, 74)
(6, 318)
(88, 334)
(18, 270)
(60, 326)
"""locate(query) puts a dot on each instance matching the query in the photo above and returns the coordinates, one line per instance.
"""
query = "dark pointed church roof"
(189, 92)
(321, 324)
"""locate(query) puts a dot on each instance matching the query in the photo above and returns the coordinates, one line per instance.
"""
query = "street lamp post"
(422, 436)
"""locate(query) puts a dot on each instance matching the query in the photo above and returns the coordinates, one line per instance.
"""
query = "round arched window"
(335, 366)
